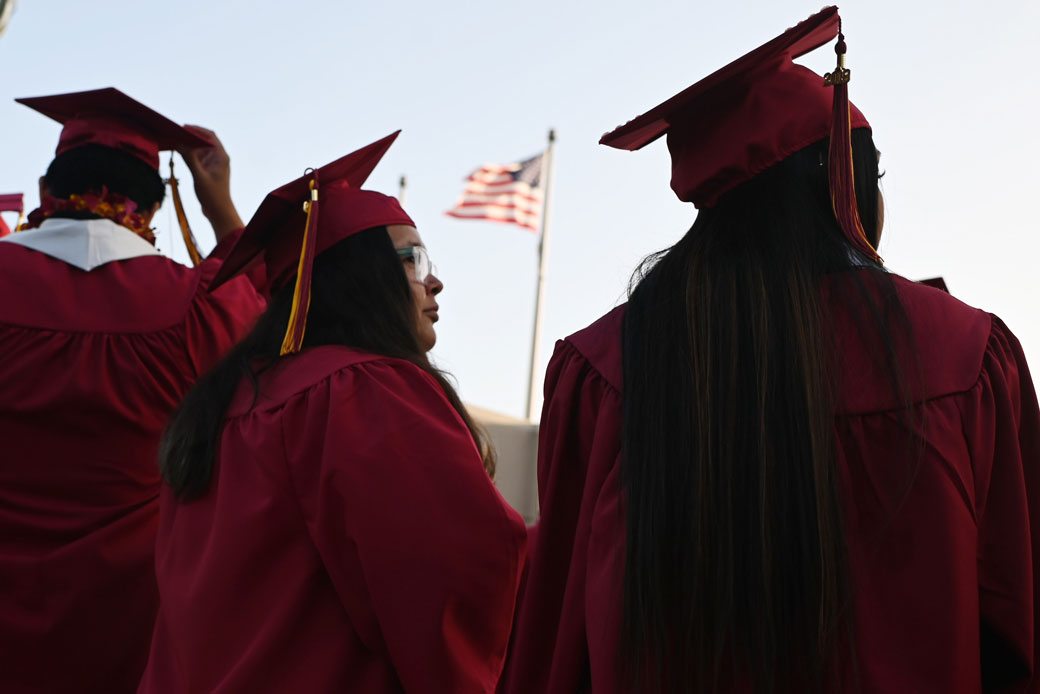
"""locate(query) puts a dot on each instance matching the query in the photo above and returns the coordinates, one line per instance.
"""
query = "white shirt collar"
(84, 243)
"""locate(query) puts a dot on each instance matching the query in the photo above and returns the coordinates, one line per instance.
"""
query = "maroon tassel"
(841, 176)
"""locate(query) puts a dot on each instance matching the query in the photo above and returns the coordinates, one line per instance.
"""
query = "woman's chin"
(427, 338)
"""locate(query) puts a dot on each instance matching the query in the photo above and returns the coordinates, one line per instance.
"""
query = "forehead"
(404, 235)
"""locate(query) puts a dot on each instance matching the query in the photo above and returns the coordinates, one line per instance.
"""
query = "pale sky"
(949, 87)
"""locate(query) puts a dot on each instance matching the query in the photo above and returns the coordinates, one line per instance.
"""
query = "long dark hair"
(735, 562)
(360, 298)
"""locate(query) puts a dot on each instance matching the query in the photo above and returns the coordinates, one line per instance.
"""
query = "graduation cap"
(110, 118)
(286, 232)
(754, 113)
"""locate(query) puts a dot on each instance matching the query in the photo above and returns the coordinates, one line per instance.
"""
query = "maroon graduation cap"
(286, 232)
(753, 113)
(111, 118)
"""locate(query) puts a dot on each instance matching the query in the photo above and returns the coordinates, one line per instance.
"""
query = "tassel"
(182, 219)
(301, 303)
(840, 174)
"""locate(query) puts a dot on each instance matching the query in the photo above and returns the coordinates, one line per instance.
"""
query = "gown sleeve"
(256, 274)
(217, 320)
(1004, 433)
(559, 644)
(423, 552)
(223, 248)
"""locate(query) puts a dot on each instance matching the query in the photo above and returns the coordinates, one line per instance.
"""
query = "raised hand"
(211, 171)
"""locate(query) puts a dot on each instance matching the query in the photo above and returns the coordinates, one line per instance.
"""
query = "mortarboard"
(286, 232)
(110, 118)
(754, 113)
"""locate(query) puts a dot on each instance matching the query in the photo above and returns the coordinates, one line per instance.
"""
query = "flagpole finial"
(552, 134)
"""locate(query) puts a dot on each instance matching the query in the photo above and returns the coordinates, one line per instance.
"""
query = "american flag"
(504, 193)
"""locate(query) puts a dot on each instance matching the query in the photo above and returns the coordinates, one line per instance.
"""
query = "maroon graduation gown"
(91, 365)
(350, 542)
(944, 580)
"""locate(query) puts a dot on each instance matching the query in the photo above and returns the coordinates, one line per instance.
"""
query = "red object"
(743, 118)
(12, 202)
(944, 580)
(111, 118)
(93, 364)
(504, 193)
(350, 542)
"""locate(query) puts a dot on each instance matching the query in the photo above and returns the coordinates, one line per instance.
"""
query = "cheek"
(418, 296)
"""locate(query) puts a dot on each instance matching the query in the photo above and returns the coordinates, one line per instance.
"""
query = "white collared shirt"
(83, 243)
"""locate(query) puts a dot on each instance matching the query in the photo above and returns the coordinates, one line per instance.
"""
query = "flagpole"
(543, 261)
(401, 189)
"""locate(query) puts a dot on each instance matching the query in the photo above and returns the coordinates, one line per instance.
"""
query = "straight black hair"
(360, 298)
(90, 168)
(735, 565)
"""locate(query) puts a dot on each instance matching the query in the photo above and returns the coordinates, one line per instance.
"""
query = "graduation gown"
(944, 578)
(91, 364)
(350, 542)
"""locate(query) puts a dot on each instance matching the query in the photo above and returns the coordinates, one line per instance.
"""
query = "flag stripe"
(528, 211)
(501, 187)
(491, 177)
(493, 212)
(531, 225)
(501, 197)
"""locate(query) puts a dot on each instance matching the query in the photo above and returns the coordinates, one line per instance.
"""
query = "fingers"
(204, 133)
(210, 162)
(195, 154)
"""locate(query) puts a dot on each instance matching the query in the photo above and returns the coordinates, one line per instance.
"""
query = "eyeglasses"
(419, 259)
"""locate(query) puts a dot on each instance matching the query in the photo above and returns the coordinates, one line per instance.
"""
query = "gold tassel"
(182, 219)
(301, 303)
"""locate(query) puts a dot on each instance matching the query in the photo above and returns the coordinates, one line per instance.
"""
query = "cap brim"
(796, 41)
(112, 103)
(283, 203)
